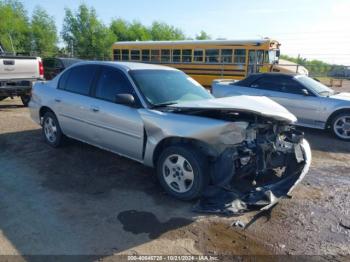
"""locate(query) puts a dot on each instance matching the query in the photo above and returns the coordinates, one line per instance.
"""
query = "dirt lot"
(82, 200)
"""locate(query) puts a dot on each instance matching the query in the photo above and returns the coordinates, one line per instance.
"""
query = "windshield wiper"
(163, 104)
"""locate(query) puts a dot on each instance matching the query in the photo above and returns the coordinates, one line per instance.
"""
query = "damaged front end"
(256, 173)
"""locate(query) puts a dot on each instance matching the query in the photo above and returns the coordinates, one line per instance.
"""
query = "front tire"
(182, 172)
(51, 130)
(340, 126)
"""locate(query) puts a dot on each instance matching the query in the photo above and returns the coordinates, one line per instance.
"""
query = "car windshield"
(164, 87)
(315, 86)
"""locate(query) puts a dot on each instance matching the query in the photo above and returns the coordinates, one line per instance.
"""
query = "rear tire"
(25, 99)
(182, 172)
(51, 130)
(340, 126)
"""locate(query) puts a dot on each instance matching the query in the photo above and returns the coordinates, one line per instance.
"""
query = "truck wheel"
(182, 172)
(25, 99)
(340, 126)
(51, 130)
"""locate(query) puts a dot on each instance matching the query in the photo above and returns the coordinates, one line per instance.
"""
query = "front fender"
(217, 134)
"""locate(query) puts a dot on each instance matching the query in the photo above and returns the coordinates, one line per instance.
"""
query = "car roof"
(253, 77)
(273, 74)
(128, 65)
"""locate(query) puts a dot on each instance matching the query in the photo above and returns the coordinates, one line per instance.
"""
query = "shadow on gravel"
(138, 222)
(324, 141)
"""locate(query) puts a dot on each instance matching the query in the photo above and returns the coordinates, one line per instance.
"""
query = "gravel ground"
(85, 201)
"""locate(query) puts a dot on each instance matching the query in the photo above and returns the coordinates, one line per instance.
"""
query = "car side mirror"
(125, 99)
(305, 92)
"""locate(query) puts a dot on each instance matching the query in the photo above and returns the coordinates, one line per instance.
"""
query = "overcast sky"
(312, 28)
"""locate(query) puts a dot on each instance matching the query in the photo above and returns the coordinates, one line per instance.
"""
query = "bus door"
(255, 61)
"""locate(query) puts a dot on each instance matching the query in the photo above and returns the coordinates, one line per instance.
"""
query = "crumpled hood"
(345, 96)
(255, 104)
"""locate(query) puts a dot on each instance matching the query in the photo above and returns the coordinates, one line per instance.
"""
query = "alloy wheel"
(178, 173)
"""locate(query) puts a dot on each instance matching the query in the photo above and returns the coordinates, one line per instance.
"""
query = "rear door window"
(112, 82)
(80, 79)
(63, 80)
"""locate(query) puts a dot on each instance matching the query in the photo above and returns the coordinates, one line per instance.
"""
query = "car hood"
(259, 105)
(345, 96)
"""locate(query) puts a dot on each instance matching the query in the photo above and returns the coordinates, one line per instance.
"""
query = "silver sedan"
(162, 118)
(314, 104)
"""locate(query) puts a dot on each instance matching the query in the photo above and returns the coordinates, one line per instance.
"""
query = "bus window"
(135, 55)
(155, 56)
(198, 55)
(116, 54)
(187, 55)
(145, 55)
(165, 55)
(125, 54)
(176, 55)
(239, 57)
(212, 56)
(226, 56)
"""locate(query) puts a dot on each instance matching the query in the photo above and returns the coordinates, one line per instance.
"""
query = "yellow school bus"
(204, 60)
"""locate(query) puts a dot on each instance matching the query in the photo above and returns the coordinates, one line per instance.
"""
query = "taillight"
(41, 69)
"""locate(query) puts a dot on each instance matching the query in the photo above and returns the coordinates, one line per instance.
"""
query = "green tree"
(163, 31)
(139, 32)
(125, 31)
(120, 29)
(315, 67)
(85, 35)
(14, 27)
(203, 36)
(44, 33)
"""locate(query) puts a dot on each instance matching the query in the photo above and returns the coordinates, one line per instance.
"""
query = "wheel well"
(43, 110)
(204, 148)
(329, 120)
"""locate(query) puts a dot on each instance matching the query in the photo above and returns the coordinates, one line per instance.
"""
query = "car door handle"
(58, 100)
(94, 109)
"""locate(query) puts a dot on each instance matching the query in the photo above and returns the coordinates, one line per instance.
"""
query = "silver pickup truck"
(17, 74)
